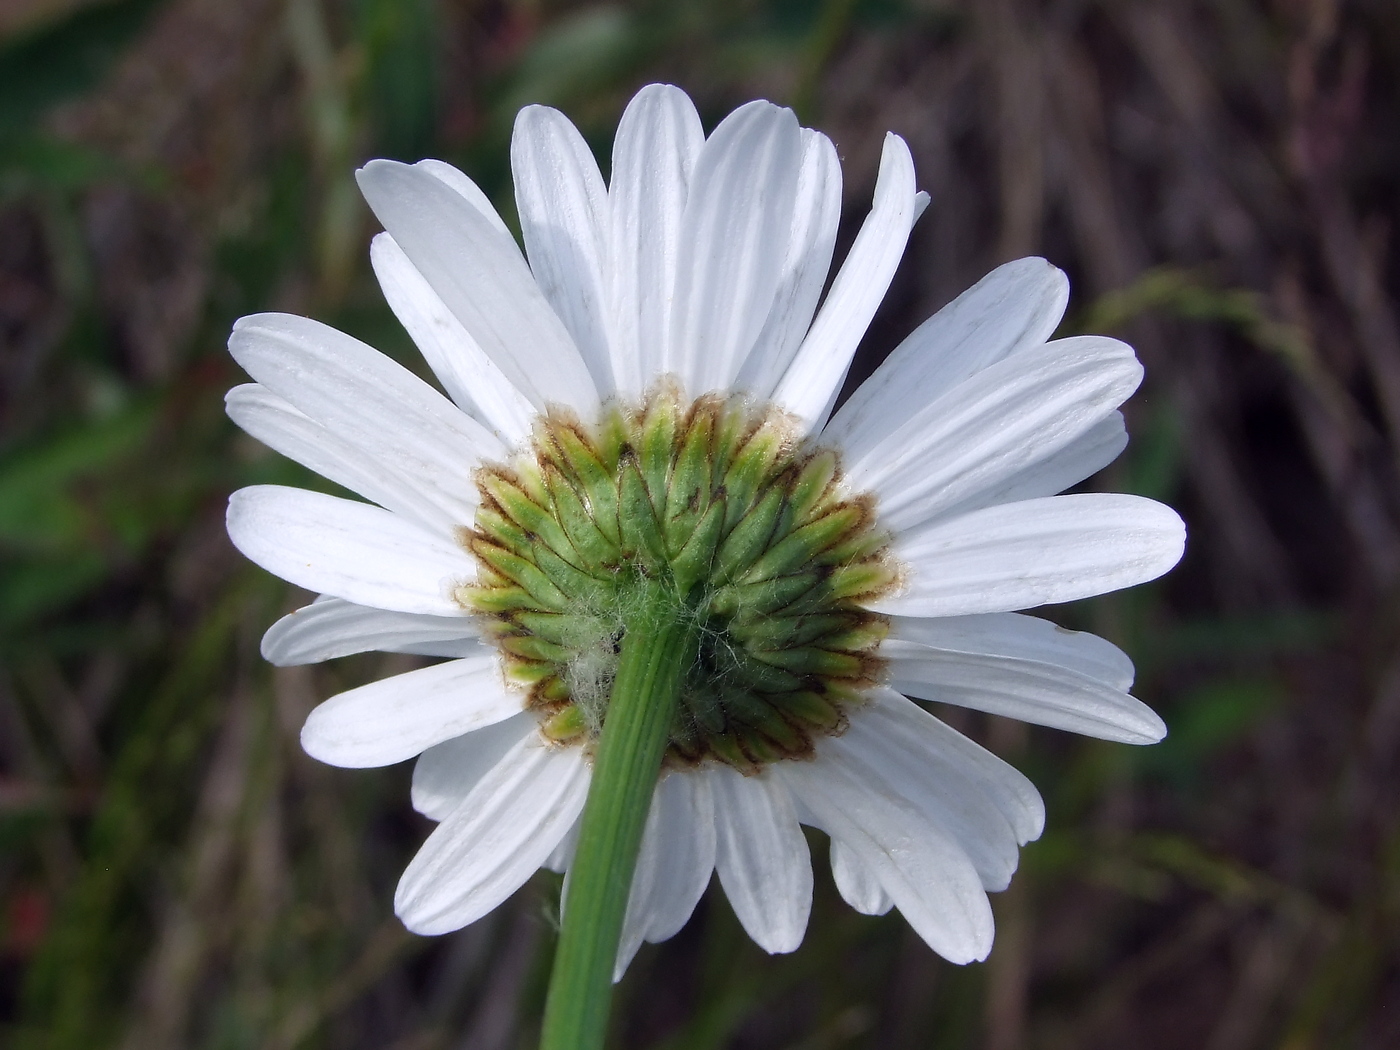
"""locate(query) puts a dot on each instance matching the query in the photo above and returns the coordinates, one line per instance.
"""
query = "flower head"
(646, 405)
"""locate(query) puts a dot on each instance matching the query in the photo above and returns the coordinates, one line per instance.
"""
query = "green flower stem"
(657, 648)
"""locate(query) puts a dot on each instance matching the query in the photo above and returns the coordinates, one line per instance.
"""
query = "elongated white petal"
(326, 629)
(923, 766)
(473, 194)
(674, 865)
(1015, 306)
(1083, 457)
(451, 649)
(654, 154)
(563, 855)
(1033, 692)
(733, 239)
(987, 429)
(479, 273)
(686, 868)
(813, 379)
(495, 839)
(282, 428)
(815, 218)
(470, 378)
(659, 837)
(857, 885)
(923, 870)
(446, 773)
(762, 858)
(1018, 637)
(1008, 788)
(566, 222)
(1036, 552)
(349, 550)
(397, 718)
(360, 395)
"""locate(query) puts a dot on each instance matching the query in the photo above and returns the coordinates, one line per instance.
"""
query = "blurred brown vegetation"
(1221, 179)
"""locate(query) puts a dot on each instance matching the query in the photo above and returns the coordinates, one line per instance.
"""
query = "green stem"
(656, 649)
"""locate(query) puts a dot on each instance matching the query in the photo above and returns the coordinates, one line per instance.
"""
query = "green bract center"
(751, 537)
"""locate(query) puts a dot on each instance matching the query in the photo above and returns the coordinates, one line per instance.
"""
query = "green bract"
(747, 532)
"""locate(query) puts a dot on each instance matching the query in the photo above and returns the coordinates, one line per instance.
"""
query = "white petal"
(453, 649)
(563, 855)
(1018, 637)
(733, 239)
(1015, 306)
(446, 773)
(926, 874)
(564, 217)
(469, 190)
(495, 839)
(921, 764)
(327, 629)
(987, 429)
(1008, 788)
(658, 140)
(656, 842)
(857, 886)
(470, 378)
(815, 218)
(349, 550)
(282, 428)
(685, 870)
(1031, 691)
(479, 273)
(673, 866)
(1036, 552)
(362, 396)
(762, 858)
(809, 387)
(1083, 457)
(396, 718)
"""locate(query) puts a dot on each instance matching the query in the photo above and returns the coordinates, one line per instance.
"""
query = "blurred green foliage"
(55, 62)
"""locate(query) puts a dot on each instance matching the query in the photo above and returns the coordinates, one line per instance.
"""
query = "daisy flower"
(638, 413)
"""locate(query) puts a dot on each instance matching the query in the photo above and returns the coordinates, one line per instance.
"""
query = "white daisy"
(647, 399)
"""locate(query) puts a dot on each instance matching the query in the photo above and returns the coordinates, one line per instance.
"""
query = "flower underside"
(756, 546)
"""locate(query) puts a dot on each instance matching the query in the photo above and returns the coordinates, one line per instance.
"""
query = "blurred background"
(1221, 180)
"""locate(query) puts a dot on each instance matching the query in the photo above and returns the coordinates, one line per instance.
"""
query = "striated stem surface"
(656, 648)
